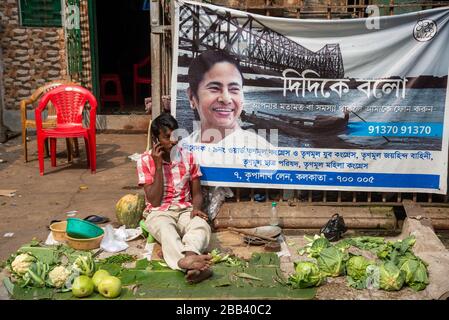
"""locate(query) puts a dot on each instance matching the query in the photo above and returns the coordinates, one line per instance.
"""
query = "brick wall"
(31, 56)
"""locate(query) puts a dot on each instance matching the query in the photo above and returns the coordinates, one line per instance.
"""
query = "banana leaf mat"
(259, 278)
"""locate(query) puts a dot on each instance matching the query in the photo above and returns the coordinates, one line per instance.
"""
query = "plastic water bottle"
(274, 221)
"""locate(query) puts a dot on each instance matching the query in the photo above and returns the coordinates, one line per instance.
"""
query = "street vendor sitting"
(171, 180)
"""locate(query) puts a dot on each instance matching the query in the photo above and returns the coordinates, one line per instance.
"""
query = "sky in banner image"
(336, 105)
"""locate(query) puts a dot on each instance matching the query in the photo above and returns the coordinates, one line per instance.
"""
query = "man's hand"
(199, 213)
(156, 154)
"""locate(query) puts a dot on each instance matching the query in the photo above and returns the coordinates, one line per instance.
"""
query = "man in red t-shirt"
(171, 180)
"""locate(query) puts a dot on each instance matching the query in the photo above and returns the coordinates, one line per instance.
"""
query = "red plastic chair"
(111, 97)
(137, 79)
(69, 102)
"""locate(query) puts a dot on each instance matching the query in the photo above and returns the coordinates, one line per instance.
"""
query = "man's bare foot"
(195, 276)
(195, 262)
(159, 253)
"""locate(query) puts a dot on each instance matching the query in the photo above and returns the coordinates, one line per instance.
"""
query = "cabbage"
(307, 275)
(415, 274)
(331, 262)
(317, 246)
(356, 267)
(391, 277)
(84, 265)
(356, 270)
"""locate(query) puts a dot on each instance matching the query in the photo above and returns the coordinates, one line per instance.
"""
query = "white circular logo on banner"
(425, 30)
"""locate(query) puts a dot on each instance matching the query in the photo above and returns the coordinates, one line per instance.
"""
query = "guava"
(98, 277)
(83, 286)
(110, 287)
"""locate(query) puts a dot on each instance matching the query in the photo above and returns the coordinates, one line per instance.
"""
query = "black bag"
(334, 228)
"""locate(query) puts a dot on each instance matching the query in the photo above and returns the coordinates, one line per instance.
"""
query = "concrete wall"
(31, 57)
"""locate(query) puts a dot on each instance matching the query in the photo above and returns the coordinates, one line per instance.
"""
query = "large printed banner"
(359, 104)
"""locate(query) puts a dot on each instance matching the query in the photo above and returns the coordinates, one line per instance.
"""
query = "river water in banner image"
(388, 109)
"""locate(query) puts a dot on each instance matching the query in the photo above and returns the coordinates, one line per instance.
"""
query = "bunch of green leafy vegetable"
(118, 258)
(395, 250)
(397, 264)
(231, 261)
(315, 246)
(38, 266)
(366, 242)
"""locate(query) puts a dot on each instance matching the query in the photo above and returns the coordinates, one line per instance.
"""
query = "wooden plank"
(246, 232)
(413, 210)
(155, 60)
(439, 217)
(250, 215)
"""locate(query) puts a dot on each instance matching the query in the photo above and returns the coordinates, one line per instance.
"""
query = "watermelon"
(129, 210)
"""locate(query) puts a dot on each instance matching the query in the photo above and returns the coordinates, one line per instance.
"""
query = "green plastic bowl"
(82, 229)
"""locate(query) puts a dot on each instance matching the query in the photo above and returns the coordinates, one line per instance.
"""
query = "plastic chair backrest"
(39, 92)
(140, 65)
(69, 102)
(143, 62)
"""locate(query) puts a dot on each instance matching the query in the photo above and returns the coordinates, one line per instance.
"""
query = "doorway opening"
(123, 40)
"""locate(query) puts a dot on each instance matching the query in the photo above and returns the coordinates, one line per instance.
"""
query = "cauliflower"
(85, 265)
(58, 276)
(22, 263)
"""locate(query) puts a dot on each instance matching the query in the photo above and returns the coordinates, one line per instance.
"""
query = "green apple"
(98, 277)
(110, 287)
(83, 286)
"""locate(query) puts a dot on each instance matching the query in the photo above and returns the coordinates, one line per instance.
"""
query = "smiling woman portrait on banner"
(215, 92)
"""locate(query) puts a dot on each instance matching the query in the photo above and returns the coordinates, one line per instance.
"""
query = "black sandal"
(51, 222)
(96, 219)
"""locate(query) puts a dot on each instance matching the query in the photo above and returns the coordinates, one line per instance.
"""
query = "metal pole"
(155, 59)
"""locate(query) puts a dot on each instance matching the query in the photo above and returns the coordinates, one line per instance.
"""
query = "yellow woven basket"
(84, 244)
(58, 230)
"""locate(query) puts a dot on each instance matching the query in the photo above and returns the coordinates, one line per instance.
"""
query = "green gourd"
(129, 210)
